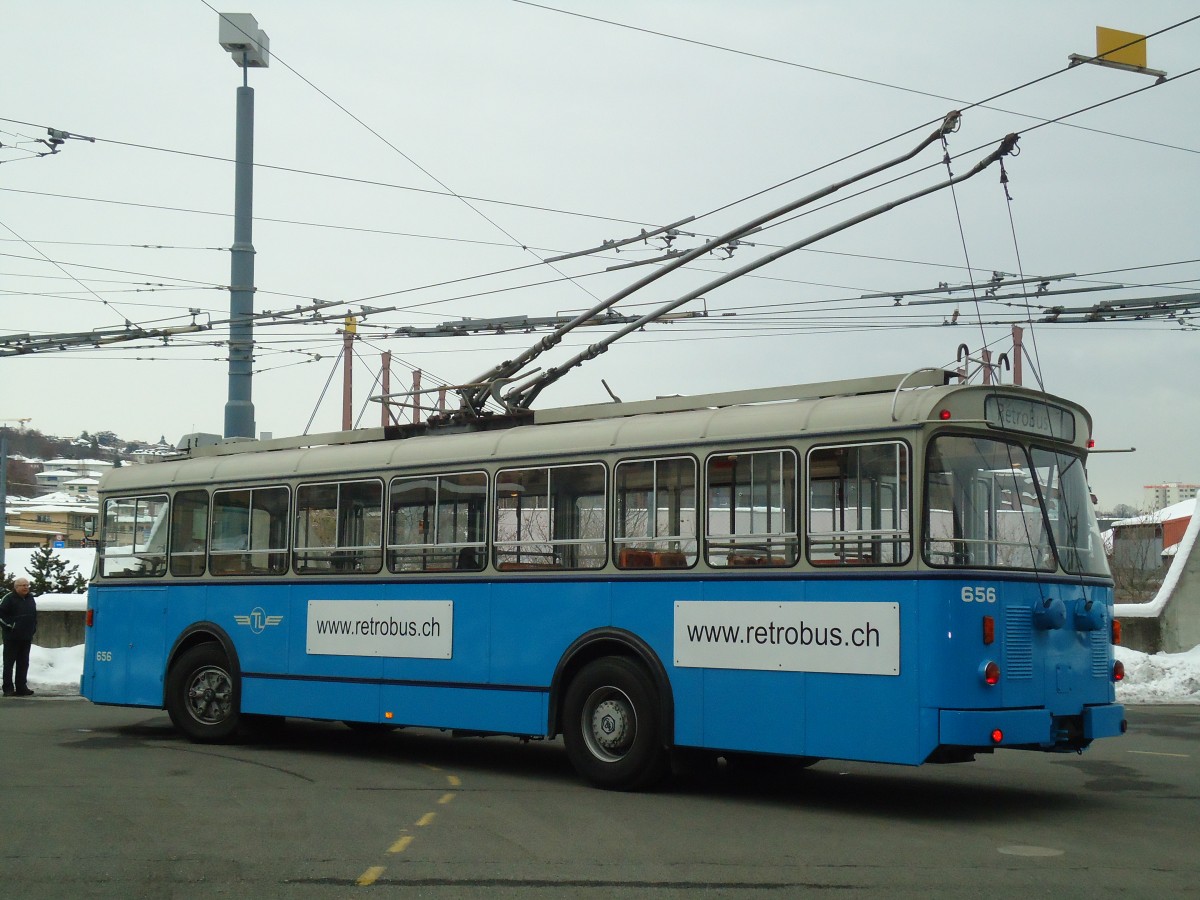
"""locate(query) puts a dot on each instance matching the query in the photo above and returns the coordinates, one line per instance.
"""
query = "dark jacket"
(18, 616)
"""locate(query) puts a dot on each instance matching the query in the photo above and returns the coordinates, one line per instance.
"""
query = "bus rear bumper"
(1033, 728)
(1103, 721)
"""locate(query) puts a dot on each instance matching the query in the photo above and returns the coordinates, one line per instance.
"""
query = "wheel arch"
(206, 633)
(612, 642)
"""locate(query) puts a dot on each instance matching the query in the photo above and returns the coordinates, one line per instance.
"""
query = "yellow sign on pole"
(1121, 47)
(1122, 50)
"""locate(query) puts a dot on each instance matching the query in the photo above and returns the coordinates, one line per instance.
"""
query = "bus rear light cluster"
(91, 618)
(1118, 671)
(997, 735)
(1116, 631)
(990, 673)
(989, 629)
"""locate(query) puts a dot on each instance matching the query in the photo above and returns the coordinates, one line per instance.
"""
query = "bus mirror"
(89, 527)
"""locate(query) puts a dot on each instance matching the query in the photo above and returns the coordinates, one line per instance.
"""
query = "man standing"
(18, 620)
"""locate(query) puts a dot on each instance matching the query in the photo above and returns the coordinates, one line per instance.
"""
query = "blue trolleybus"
(893, 569)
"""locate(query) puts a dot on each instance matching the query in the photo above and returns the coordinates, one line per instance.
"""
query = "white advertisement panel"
(410, 629)
(851, 638)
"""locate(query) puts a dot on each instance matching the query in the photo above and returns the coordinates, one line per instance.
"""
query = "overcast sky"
(567, 132)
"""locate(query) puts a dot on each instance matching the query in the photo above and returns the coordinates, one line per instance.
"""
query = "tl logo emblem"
(258, 620)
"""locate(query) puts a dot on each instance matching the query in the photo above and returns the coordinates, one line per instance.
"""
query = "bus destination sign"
(1030, 417)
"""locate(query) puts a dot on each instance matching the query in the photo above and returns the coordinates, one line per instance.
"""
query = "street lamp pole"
(248, 45)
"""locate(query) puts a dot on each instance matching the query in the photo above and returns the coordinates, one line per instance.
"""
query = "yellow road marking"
(401, 845)
(426, 819)
(454, 780)
(445, 798)
(369, 876)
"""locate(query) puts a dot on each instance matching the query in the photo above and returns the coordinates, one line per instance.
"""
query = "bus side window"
(858, 505)
(437, 523)
(249, 531)
(338, 527)
(751, 509)
(655, 521)
(189, 528)
(134, 543)
(551, 517)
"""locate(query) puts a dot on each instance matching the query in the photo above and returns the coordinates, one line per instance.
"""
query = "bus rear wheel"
(611, 725)
(201, 694)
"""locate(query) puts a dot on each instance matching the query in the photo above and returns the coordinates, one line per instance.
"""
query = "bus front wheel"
(611, 725)
(200, 694)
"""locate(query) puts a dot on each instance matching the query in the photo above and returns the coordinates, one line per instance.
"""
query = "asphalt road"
(105, 802)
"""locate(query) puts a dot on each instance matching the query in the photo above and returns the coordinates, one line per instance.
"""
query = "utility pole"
(348, 373)
(247, 44)
(386, 387)
(3, 497)
(416, 398)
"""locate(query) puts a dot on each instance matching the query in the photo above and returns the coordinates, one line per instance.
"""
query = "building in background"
(1158, 496)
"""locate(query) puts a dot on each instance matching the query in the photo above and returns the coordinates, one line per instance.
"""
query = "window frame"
(222, 562)
(763, 552)
(433, 549)
(559, 548)
(340, 558)
(201, 553)
(157, 560)
(901, 537)
(626, 553)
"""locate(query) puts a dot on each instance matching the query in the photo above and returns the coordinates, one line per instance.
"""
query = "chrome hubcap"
(609, 724)
(210, 695)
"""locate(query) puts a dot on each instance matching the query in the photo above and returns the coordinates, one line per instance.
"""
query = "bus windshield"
(1069, 508)
(982, 506)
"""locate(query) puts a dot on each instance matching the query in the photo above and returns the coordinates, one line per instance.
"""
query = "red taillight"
(944, 415)
(1091, 444)
(91, 618)
(991, 673)
(989, 629)
(1118, 670)
(1116, 632)
(997, 735)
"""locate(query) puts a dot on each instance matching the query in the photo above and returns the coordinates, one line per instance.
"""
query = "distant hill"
(31, 444)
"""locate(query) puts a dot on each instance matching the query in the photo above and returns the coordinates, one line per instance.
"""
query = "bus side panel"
(126, 645)
(467, 709)
(338, 699)
(752, 709)
(470, 607)
(533, 623)
(322, 686)
(646, 608)
(761, 712)
(870, 717)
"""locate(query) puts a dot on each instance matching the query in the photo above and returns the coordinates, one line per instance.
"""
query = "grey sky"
(622, 129)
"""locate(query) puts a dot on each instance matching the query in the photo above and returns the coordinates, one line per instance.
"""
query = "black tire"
(611, 725)
(203, 696)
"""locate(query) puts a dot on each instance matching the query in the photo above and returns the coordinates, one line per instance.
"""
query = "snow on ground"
(1161, 678)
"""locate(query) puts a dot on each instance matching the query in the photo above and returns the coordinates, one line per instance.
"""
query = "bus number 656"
(103, 656)
(978, 594)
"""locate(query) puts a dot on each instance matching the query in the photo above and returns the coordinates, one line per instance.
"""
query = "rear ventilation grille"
(1018, 643)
